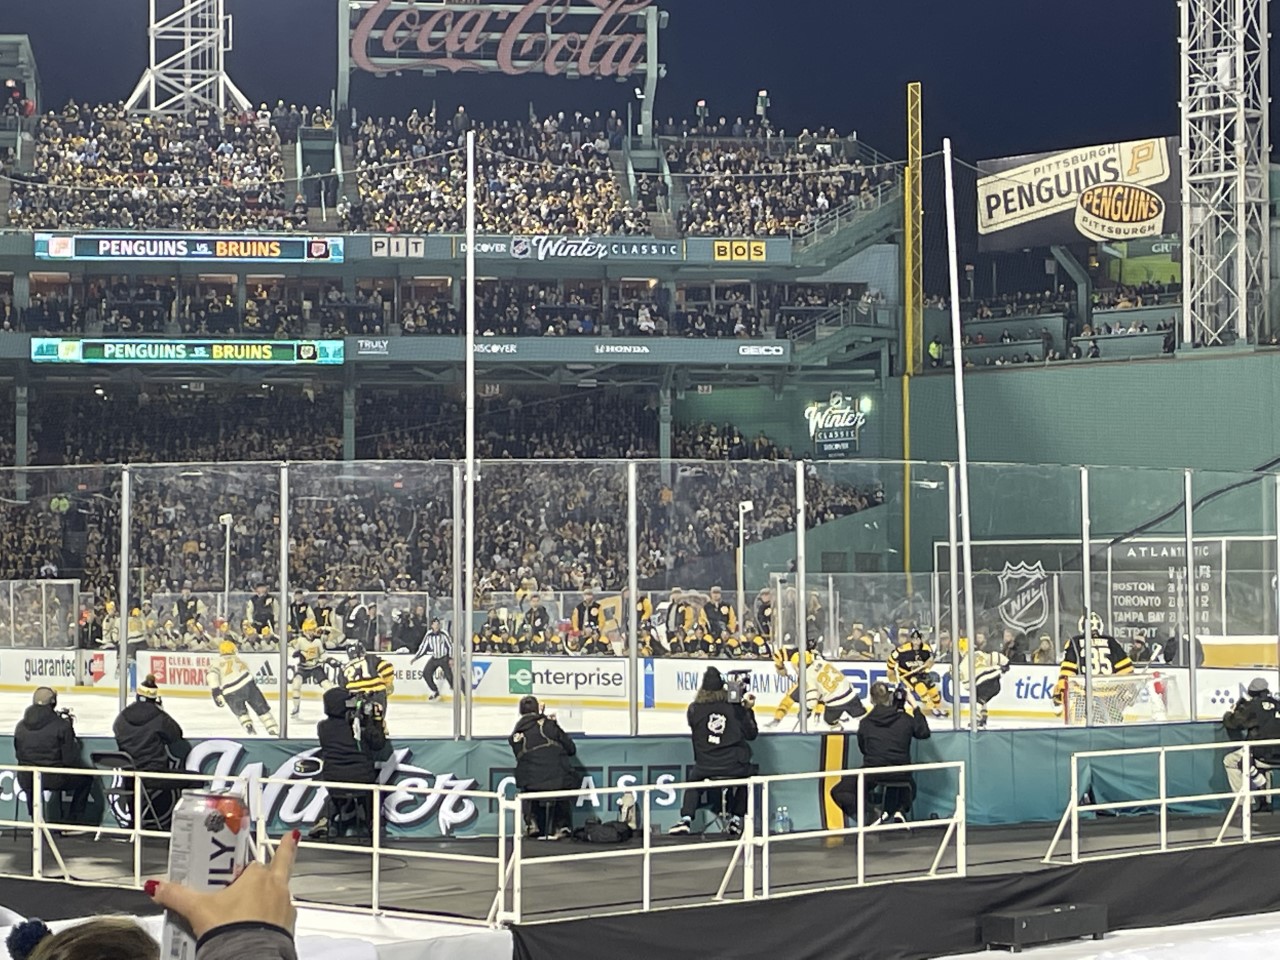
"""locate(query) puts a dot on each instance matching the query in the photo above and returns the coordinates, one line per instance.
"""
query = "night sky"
(1000, 76)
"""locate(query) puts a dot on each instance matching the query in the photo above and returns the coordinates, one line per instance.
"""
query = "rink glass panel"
(558, 527)
(378, 536)
(216, 526)
(1234, 519)
(688, 532)
(60, 529)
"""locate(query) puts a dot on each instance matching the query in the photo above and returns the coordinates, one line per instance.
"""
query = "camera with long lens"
(359, 707)
(737, 684)
(67, 714)
(900, 697)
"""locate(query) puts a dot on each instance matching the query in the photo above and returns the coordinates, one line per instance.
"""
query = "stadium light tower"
(188, 41)
(1225, 146)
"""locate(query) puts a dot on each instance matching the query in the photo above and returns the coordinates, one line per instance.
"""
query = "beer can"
(209, 849)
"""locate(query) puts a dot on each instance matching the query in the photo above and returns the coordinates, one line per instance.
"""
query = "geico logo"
(759, 350)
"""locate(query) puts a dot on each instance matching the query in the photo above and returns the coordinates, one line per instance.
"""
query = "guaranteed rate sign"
(134, 352)
(600, 38)
(188, 247)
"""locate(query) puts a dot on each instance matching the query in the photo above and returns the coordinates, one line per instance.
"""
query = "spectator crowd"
(99, 167)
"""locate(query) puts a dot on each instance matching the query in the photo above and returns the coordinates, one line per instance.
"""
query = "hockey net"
(1147, 697)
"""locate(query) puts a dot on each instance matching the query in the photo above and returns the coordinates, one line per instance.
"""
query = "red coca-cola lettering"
(537, 39)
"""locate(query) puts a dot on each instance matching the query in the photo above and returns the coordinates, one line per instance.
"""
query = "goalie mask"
(1095, 624)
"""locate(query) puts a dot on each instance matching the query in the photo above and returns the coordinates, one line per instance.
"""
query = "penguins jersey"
(985, 666)
(908, 661)
(227, 675)
(830, 683)
(310, 654)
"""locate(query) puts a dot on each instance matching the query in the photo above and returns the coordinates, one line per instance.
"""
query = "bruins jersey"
(1106, 657)
(909, 661)
(719, 618)
(588, 615)
(764, 616)
(369, 674)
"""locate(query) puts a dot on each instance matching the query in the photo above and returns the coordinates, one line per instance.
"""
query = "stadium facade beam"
(187, 43)
(912, 248)
(1225, 146)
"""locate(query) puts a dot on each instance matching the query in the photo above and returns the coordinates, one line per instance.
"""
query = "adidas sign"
(265, 676)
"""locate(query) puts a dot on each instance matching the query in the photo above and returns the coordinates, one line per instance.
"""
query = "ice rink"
(95, 710)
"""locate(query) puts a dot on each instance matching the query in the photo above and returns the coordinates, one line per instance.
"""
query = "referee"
(438, 649)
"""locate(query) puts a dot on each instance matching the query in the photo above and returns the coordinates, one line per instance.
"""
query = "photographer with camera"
(352, 737)
(723, 726)
(542, 750)
(884, 738)
(46, 737)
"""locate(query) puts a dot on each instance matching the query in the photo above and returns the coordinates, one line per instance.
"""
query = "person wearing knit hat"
(146, 732)
(722, 732)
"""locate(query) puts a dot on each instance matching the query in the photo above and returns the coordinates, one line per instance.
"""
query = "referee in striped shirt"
(438, 649)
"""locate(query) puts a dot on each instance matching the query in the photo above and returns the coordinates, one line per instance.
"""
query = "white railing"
(44, 829)
(1234, 800)
(751, 851)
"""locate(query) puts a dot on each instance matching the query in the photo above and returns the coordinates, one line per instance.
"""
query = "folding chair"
(141, 810)
(714, 800)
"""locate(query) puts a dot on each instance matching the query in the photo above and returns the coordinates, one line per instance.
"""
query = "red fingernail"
(297, 835)
(150, 887)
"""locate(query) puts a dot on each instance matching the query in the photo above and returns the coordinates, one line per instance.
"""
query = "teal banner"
(1012, 777)
(562, 350)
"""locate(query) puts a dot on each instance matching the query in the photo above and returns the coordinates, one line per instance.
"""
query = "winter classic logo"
(1024, 596)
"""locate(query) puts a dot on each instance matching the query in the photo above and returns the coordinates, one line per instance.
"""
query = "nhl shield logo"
(1024, 596)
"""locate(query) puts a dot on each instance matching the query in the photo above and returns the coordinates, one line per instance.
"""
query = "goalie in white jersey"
(232, 685)
(311, 665)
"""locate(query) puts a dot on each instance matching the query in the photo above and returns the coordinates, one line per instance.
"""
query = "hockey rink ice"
(96, 710)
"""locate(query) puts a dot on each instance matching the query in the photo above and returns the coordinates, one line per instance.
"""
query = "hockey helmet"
(355, 650)
(963, 645)
(1095, 623)
(308, 625)
(226, 648)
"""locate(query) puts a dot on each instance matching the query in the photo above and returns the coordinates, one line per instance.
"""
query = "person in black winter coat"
(148, 734)
(348, 758)
(722, 734)
(46, 738)
(156, 743)
(542, 751)
(884, 738)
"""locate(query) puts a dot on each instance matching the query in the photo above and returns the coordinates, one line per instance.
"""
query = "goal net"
(1149, 697)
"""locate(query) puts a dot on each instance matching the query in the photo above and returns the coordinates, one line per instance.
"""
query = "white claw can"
(208, 850)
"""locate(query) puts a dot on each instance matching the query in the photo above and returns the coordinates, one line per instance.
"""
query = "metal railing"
(751, 852)
(831, 222)
(1234, 800)
(44, 830)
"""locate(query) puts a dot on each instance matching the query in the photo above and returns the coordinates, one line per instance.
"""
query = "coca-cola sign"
(835, 426)
(599, 38)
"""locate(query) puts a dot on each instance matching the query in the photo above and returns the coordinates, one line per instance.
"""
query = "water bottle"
(787, 825)
(779, 821)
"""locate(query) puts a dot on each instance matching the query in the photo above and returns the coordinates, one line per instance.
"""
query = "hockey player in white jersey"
(232, 685)
(986, 668)
(311, 665)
